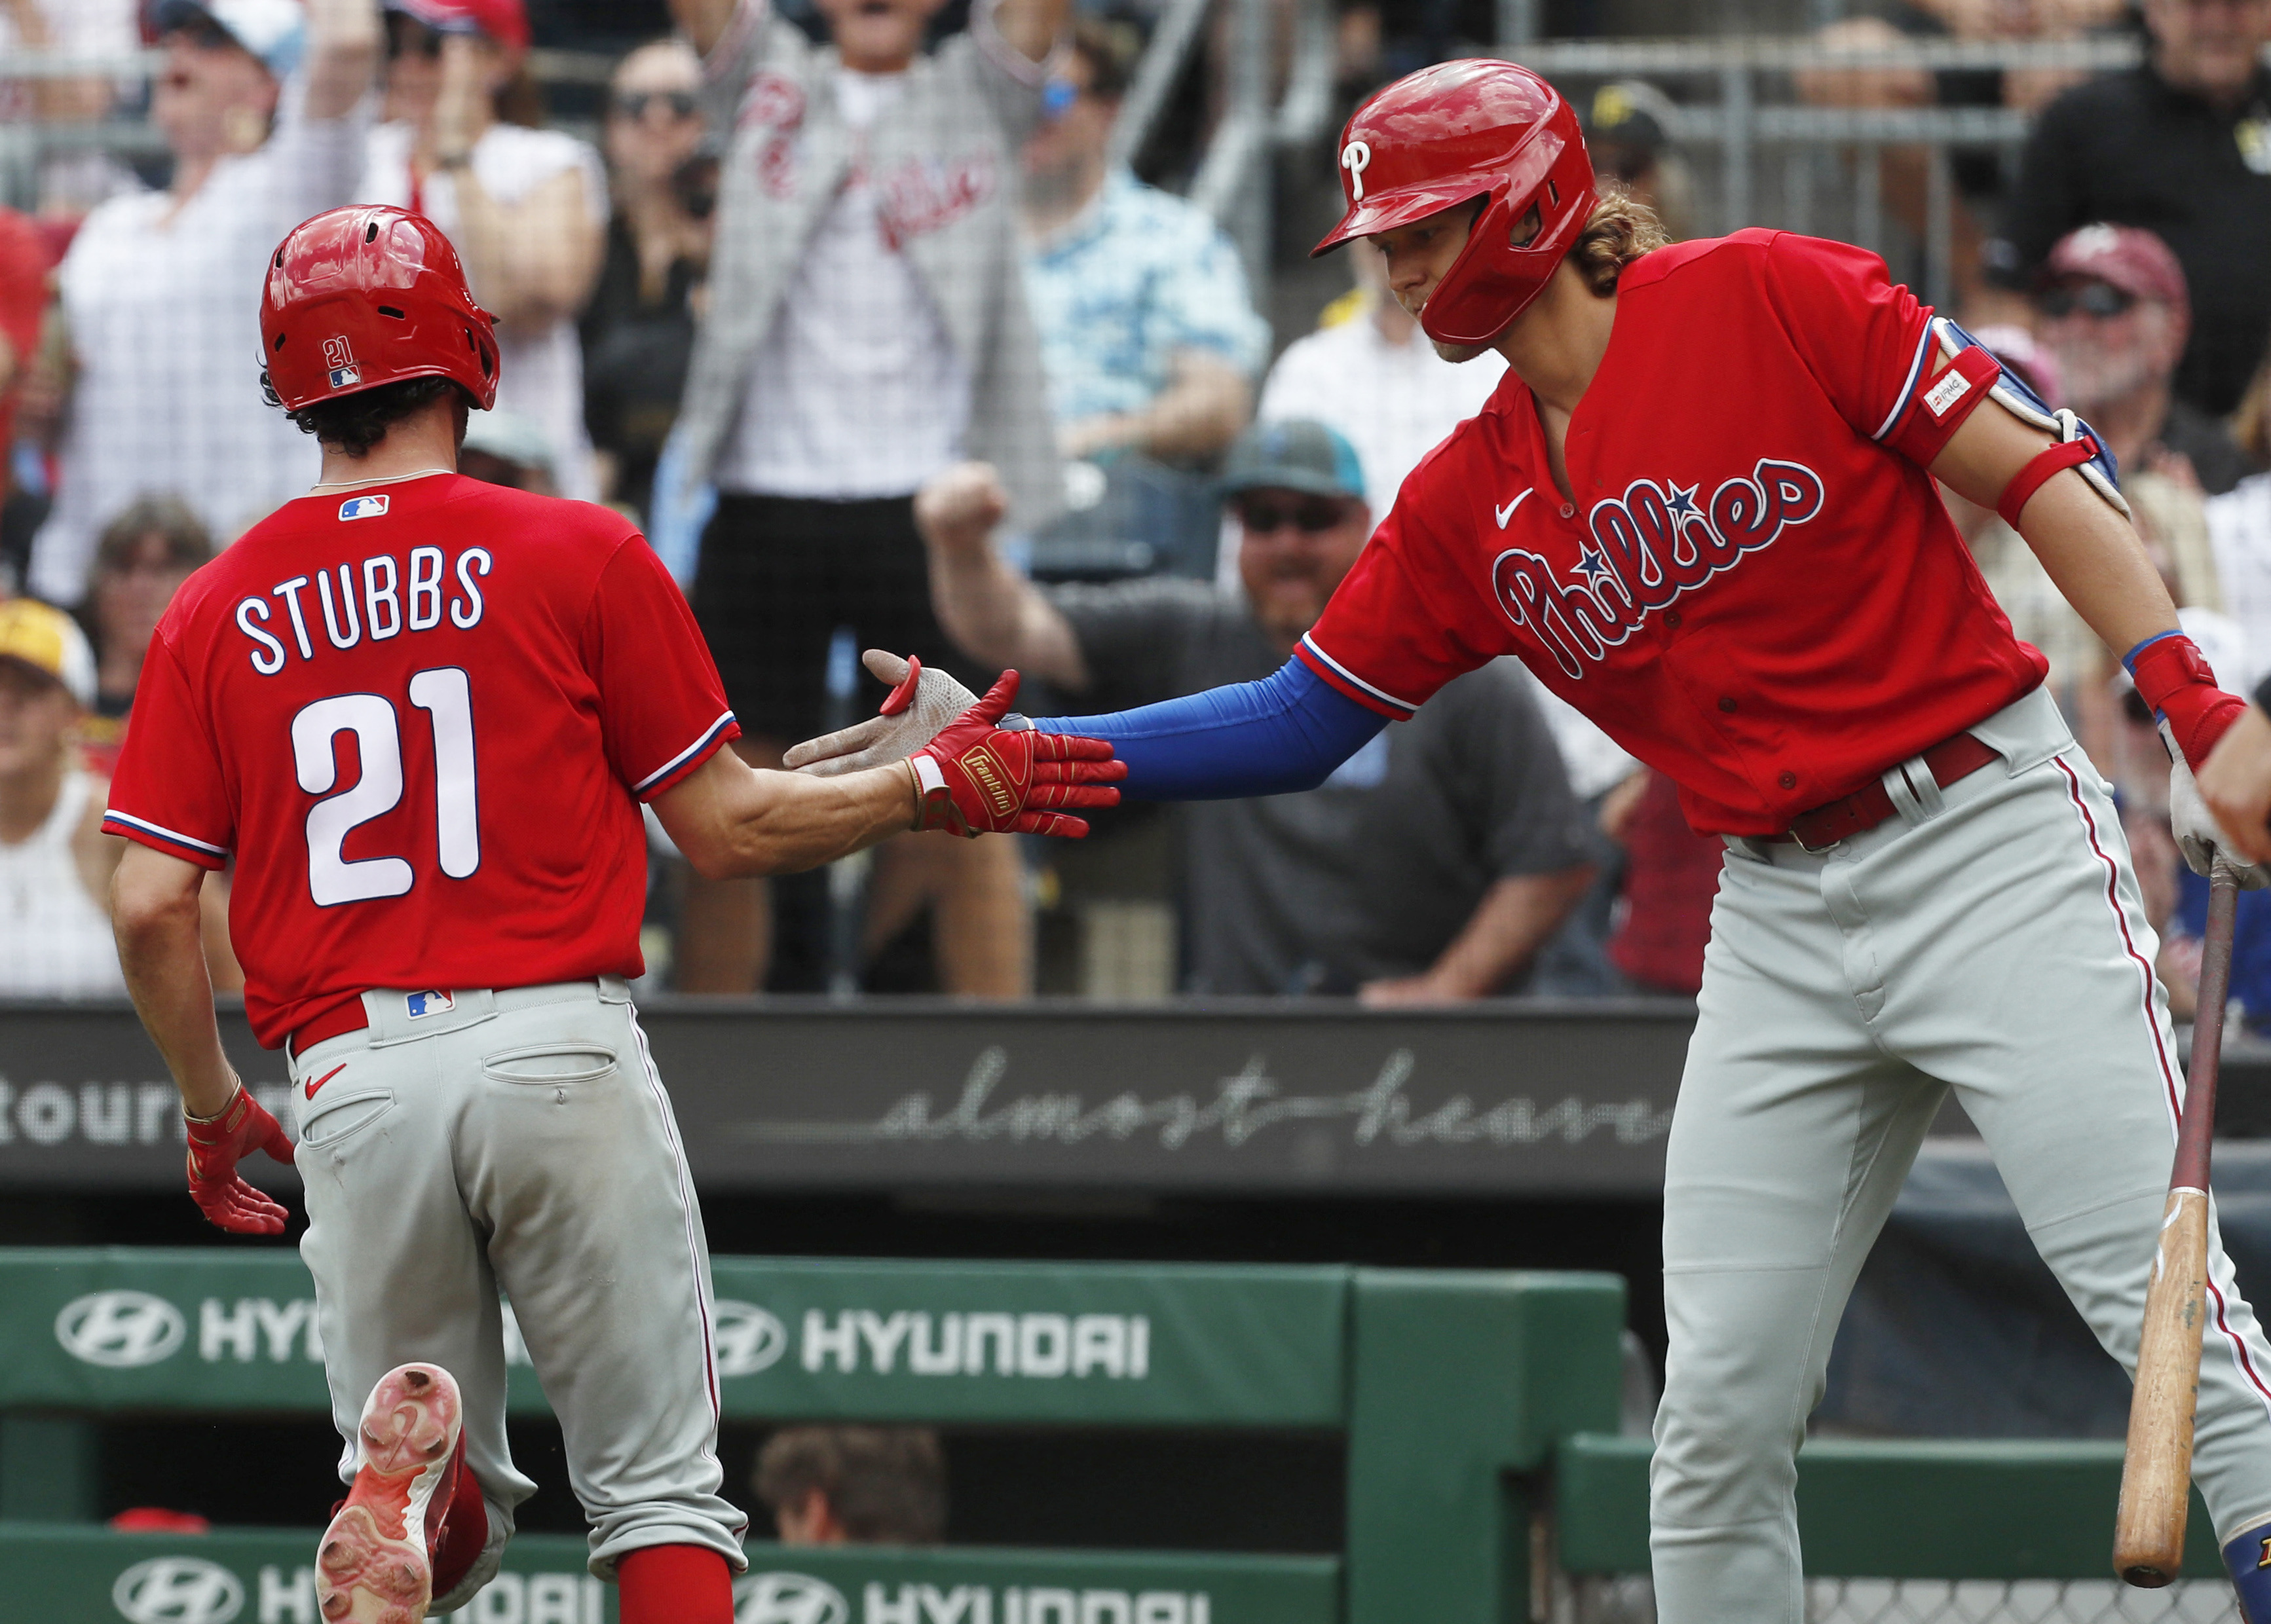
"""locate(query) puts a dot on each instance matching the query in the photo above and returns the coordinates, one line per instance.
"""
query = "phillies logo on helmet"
(1648, 547)
(339, 361)
(1356, 158)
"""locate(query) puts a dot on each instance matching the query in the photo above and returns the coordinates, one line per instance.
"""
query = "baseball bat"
(2156, 1470)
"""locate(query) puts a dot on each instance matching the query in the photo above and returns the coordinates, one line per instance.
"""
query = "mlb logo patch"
(344, 377)
(363, 507)
(422, 1004)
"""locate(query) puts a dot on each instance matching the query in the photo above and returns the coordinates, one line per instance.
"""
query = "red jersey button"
(1788, 780)
(1727, 703)
(1569, 511)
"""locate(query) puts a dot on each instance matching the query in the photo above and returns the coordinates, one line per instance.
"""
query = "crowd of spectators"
(857, 307)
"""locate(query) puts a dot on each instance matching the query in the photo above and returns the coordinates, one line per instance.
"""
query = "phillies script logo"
(922, 195)
(1648, 547)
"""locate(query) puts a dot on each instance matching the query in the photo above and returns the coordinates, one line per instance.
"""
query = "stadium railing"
(1483, 1484)
(1451, 1389)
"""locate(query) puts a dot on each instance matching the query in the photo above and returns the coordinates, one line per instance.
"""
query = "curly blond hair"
(1618, 232)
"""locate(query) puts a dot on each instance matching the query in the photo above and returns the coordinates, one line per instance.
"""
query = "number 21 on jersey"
(446, 696)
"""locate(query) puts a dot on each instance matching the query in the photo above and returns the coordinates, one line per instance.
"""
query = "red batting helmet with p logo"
(1448, 135)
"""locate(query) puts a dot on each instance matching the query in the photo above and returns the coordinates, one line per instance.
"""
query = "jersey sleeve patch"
(1347, 683)
(682, 765)
(173, 842)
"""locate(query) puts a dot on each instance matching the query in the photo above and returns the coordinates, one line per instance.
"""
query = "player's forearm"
(2089, 551)
(1506, 931)
(162, 951)
(733, 820)
(343, 37)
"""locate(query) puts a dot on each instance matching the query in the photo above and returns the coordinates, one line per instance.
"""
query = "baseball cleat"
(375, 1562)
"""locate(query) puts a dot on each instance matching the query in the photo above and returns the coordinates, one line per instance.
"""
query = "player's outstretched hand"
(2199, 834)
(922, 700)
(216, 1145)
(994, 772)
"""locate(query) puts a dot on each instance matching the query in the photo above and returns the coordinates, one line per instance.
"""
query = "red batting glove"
(2173, 678)
(216, 1145)
(977, 777)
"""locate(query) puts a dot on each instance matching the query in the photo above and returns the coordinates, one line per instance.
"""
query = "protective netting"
(1632, 1600)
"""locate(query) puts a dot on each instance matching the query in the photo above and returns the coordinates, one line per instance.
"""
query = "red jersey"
(1751, 593)
(421, 716)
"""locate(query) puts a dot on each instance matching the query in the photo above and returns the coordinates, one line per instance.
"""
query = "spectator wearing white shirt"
(526, 207)
(161, 290)
(865, 327)
(1372, 375)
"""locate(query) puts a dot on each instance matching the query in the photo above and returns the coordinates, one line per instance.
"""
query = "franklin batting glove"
(217, 1144)
(981, 778)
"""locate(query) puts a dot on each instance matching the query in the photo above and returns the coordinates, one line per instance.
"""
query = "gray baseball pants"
(521, 1139)
(1989, 938)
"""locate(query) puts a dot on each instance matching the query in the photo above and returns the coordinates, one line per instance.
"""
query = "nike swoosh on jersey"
(1507, 512)
(325, 1078)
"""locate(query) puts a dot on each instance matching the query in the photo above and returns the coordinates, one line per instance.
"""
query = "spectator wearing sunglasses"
(2182, 144)
(258, 101)
(526, 207)
(638, 329)
(1148, 328)
(2113, 309)
(1429, 868)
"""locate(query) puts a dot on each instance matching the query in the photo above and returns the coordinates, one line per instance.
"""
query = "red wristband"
(2175, 679)
(2027, 480)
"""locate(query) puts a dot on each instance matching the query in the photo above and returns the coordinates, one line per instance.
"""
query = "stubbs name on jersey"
(379, 597)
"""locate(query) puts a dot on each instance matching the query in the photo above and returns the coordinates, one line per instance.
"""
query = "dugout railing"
(1485, 1483)
(1449, 1388)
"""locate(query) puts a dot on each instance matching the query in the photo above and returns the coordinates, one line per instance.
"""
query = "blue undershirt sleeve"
(1285, 733)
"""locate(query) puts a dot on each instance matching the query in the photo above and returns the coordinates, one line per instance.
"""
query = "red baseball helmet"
(366, 295)
(1447, 134)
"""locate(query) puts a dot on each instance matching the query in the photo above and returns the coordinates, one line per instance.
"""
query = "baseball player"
(1701, 508)
(420, 712)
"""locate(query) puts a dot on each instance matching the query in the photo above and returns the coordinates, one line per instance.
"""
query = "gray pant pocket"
(553, 1064)
(339, 1118)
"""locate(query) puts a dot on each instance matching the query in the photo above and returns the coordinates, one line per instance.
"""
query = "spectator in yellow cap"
(55, 862)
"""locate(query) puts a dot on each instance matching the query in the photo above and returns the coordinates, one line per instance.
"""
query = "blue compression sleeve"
(1284, 733)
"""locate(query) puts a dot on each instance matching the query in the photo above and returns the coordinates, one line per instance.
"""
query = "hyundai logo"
(119, 1330)
(748, 1339)
(177, 1590)
(787, 1598)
